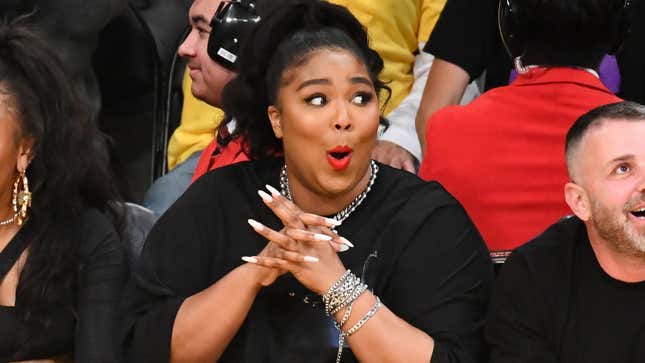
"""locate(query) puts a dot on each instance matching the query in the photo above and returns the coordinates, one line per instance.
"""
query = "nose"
(641, 184)
(342, 120)
(187, 47)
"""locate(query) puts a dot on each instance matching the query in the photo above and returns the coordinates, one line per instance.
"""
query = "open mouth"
(339, 157)
(639, 213)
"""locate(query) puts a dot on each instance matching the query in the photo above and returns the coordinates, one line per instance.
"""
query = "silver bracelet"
(365, 318)
(352, 330)
(336, 284)
(358, 291)
(342, 295)
(343, 321)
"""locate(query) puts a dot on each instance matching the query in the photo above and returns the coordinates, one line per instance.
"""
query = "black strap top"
(10, 254)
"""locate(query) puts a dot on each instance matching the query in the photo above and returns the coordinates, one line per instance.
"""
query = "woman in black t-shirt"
(420, 275)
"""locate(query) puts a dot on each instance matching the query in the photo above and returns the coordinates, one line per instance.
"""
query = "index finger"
(283, 208)
(309, 219)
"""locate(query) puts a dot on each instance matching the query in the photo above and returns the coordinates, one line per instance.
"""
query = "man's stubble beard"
(616, 230)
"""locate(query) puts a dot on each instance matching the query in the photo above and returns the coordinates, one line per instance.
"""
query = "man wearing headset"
(500, 155)
(211, 48)
(575, 294)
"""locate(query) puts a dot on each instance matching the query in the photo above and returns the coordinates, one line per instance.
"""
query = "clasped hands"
(306, 246)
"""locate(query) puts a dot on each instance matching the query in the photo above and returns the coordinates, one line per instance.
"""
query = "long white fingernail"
(310, 259)
(321, 237)
(273, 190)
(255, 224)
(346, 242)
(265, 197)
(249, 259)
(332, 221)
(343, 248)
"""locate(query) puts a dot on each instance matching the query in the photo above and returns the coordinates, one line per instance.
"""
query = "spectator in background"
(467, 46)
(500, 155)
(62, 264)
(397, 30)
(71, 27)
(209, 75)
(575, 294)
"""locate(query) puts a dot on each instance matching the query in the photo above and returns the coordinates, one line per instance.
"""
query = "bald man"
(576, 293)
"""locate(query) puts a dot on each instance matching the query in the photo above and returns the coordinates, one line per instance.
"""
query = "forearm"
(385, 337)
(445, 86)
(207, 321)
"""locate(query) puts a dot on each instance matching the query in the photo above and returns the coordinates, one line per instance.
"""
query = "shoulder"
(98, 234)
(550, 255)
(208, 187)
(230, 175)
(403, 184)
(472, 118)
(424, 207)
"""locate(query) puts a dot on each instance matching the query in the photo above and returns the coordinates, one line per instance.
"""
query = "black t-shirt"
(553, 302)
(414, 246)
(467, 35)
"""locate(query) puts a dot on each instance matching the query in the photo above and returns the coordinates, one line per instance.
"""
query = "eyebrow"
(325, 81)
(196, 19)
(314, 81)
(621, 158)
(361, 80)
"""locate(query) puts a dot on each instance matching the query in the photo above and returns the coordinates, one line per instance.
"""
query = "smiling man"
(218, 28)
(576, 293)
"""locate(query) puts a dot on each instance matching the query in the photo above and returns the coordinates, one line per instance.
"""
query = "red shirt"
(502, 156)
(216, 156)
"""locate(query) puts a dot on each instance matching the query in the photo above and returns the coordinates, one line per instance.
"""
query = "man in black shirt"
(576, 292)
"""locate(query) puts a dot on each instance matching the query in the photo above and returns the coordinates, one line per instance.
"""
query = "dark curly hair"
(69, 171)
(289, 32)
(569, 32)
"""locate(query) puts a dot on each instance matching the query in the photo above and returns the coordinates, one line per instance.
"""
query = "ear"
(578, 200)
(276, 120)
(25, 153)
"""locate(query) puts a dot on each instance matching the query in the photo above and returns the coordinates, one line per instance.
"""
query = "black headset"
(230, 25)
(508, 22)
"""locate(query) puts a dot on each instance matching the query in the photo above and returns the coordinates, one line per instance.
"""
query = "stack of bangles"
(342, 294)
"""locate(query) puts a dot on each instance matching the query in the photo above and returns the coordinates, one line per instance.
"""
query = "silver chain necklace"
(345, 212)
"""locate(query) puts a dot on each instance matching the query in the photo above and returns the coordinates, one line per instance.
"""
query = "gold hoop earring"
(21, 198)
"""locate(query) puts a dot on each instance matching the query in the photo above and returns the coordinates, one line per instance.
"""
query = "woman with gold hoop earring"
(62, 264)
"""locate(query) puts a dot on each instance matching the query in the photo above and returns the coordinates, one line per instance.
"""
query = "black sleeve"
(102, 276)
(515, 328)
(465, 35)
(442, 284)
(174, 265)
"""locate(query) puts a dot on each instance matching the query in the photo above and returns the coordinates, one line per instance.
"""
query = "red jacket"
(502, 156)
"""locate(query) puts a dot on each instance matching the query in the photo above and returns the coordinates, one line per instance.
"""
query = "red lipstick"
(339, 157)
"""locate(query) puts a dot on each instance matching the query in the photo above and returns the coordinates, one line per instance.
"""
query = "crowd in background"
(310, 180)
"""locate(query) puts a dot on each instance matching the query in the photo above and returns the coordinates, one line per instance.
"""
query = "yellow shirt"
(199, 122)
(395, 28)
